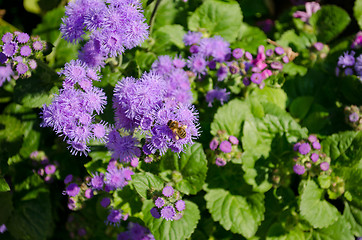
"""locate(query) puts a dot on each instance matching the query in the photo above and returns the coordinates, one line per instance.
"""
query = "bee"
(177, 129)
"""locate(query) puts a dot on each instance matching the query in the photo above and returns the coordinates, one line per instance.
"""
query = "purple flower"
(163, 65)
(312, 138)
(225, 146)
(167, 191)
(82, 232)
(197, 64)
(310, 7)
(114, 218)
(105, 202)
(88, 193)
(269, 52)
(296, 146)
(285, 59)
(304, 148)
(155, 213)
(191, 38)
(213, 144)
(9, 49)
(22, 68)
(234, 140)
(256, 78)
(122, 148)
(97, 181)
(159, 202)
(25, 51)
(72, 190)
(215, 47)
(168, 213)
(180, 205)
(314, 157)
(179, 62)
(50, 169)
(220, 162)
(316, 145)
(318, 46)
(22, 37)
(32, 64)
(358, 65)
(353, 117)
(219, 94)
(7, 37)
(347, 60)
(246, 81)
(38, 45)
(279, 50)
(117, 178)
(68, 179)
(238, 53)
(194, 49)
(222, 73)
(2, 228)
(324, 166)
(299, 169)
(248, 56)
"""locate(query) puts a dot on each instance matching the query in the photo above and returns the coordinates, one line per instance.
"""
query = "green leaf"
(30, 144)
(4, 187)
(240, 214)
(249, 38)
(230, 117)
(344, 148)
(271, 95)
(352, 179)
(316, 211)
(165, 15)
(218, 18)
(354, 216)
(37, 90)
(32, 219)
(300, 106)
(339, 230)
(145, 181)
(6, 205)
(11, 128)
(351, 89)
(329, 22)
(278, 232)
(174, 33)
(192, 165)
(172, 230)
(32, 6)
(293, 69)
(145, 59)
(295, 41)
(357, 11)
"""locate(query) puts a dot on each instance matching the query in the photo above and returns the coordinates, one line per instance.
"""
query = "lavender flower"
(197, 64)
(50, 169)
(219, 94)
(167, 191)
(214, 144)
(122, 148)
(314, 157)
(159, 202)
(191, 38)
(155, 213)
(117, 178)
(114, 218)
(220, 162)
(304, 148)
(234, 140)
(347, 60)
(168, 213)
(68, 179)
(180, 205)
(225, 146)
(97, 181)
(353, 117)
(324, 166)
(72, 190)
(105, 202)
(238, 53)
(299, 169)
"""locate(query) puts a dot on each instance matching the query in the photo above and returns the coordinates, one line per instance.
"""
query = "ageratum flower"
(114, 25)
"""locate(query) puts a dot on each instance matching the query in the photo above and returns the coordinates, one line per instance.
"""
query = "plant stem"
(152, 19)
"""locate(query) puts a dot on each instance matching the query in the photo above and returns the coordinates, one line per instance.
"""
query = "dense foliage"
(171, 119)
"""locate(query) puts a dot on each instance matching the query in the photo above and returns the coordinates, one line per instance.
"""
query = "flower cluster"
(357, 42)
(310, 8)
(77, 191)
(136, 232)
(348, 64)
(310, 157)
(116, 177)
(213, 56)
(72, 112)
(18, 55)
(224, 148)
(353, 117)
(113, 26)
(169, 204)
(45, 169)
(146, 105)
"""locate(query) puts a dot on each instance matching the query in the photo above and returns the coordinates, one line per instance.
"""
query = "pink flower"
(310, 8)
